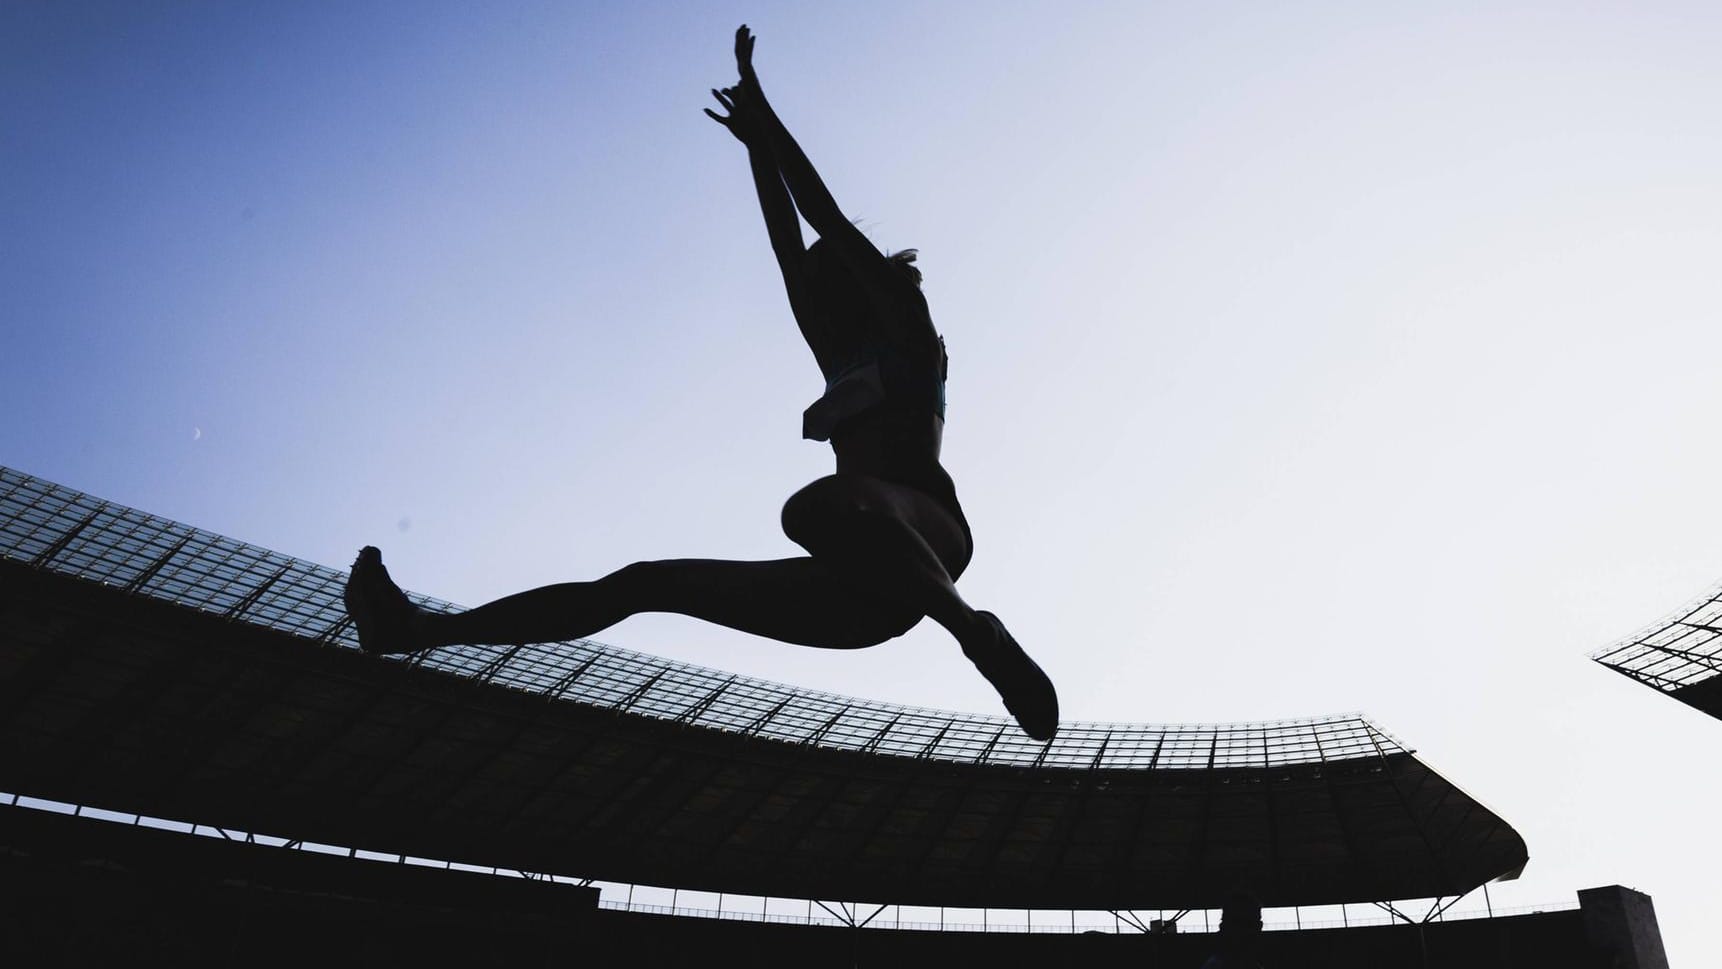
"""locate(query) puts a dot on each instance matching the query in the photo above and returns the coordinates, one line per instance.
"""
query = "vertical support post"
(1490, 906)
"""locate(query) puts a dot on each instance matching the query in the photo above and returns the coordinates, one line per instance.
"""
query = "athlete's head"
(904, 261)
(830, 273)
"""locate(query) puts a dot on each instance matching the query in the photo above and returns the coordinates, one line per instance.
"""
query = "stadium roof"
(1679, 655)
(151, 667)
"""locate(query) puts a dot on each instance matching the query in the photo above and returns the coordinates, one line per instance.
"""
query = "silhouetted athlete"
(885, 536)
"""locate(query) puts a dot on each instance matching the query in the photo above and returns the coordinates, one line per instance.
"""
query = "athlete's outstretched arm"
(808, 189)
(781, 223)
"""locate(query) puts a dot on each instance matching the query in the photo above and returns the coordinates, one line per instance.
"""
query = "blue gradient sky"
(1304, 360)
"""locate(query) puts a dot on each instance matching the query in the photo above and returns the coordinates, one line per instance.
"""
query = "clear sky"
(1304, 358)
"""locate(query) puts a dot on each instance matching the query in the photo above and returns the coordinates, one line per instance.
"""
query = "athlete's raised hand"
(743, 119)
(744, 57)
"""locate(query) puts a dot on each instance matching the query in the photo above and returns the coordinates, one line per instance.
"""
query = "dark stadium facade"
(163, 672)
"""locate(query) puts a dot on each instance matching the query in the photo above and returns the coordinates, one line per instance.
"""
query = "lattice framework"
(1677, 652)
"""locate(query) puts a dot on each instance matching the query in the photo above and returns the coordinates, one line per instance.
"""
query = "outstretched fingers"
(729, 120)
(744, 52)
(743, 119)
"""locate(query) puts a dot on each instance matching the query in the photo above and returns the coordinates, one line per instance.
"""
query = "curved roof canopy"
(1680, 654)
(151, 667)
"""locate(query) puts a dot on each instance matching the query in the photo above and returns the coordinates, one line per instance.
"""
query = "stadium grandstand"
(198, 762)
(1679, 655)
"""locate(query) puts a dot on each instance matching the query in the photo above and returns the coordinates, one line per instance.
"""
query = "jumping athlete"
(885, 537)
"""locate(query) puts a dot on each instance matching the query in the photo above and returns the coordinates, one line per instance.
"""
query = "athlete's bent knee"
(826, 507)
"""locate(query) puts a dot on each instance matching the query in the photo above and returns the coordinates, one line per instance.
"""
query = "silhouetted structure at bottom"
(157, 670)
(86, 892)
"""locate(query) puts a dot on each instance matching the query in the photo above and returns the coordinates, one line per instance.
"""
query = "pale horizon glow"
(1304, 360)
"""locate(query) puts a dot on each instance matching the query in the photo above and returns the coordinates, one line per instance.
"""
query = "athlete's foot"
(1027, 692)
(386, 620)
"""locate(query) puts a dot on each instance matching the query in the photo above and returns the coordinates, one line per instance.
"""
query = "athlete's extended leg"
(792, 600)
(900, 546)
(883, 556)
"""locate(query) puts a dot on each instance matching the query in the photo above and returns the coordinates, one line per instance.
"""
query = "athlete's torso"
(883, 410)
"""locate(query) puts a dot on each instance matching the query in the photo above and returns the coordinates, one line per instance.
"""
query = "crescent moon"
(197, 433)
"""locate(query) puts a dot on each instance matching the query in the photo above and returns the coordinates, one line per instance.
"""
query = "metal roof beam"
(988, 749)
(873, 742)
(817, 735)
(842, 916)
(933, 744)
(142, 578)
(561, 686)
(1129, 916)
(863, 923)
(53, 551)
(1711, 661)
(760, 721)
(1396, 913)
(240, 608)
(634, 696)
(492, 668)
(700, 706)
(333, 631)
